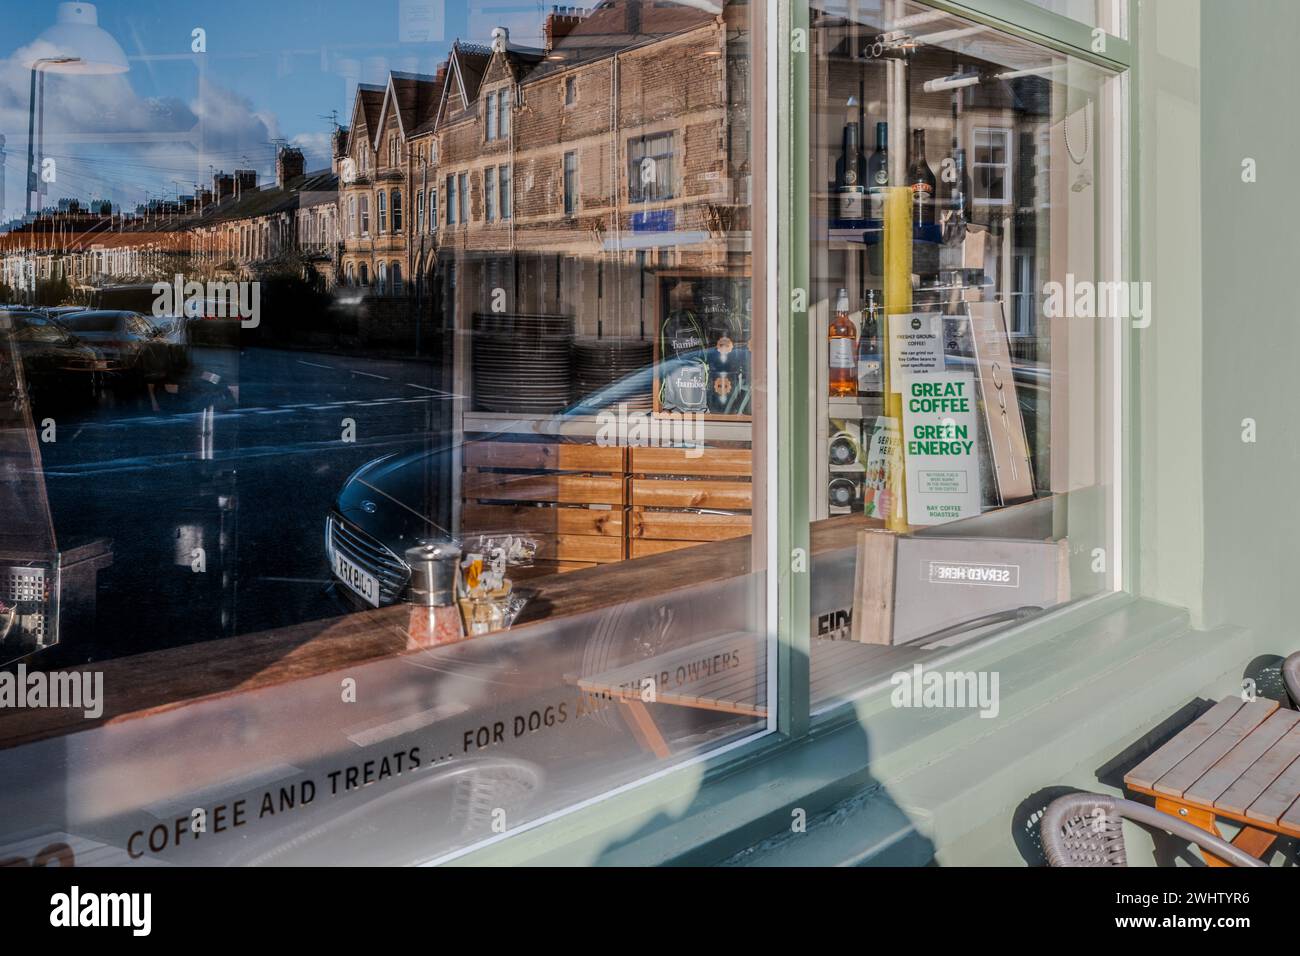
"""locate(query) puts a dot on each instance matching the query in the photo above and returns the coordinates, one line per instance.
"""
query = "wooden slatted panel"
(1215, 782)
(836, 666)
(1290, 821)
(564, 567)
(1195, 765)
(545, 569)
(531, 519)
(692, 461)
(1145, 774)
(544, 457)
(572, 489)
(684, 675)
(684, 493)
(742, 690)
(841, 668)
(1250, 785)
(578, 547)
(641, 548)
(687, 525)
(1278, 798)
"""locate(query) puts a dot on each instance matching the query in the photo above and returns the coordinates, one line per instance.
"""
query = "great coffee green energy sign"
(940, 447)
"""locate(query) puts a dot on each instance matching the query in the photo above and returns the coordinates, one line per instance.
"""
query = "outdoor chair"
(1291, 676)
(1075, 834)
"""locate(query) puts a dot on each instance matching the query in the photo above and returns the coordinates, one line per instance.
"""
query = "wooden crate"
(571, 498)
(675, 492)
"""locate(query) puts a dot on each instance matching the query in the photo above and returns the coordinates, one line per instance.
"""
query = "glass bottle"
(878, 174)
(921, 180)
(843, 341)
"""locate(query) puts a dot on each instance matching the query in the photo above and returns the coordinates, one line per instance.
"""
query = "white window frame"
(1008, 167)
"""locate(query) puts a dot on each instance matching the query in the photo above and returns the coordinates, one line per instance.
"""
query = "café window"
(962, 436)
(422, 563)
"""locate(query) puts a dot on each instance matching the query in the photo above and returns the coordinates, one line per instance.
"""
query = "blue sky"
(273, 68)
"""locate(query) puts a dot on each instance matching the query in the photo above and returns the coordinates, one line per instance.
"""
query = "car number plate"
(366, 585)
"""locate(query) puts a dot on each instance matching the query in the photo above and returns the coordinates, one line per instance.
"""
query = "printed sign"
(940, 447)
(988, 575)
(915, 346)
(1006, 429)
(881, 449)
(655, 220)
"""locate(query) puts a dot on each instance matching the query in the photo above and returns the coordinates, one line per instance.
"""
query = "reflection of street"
(214, 489)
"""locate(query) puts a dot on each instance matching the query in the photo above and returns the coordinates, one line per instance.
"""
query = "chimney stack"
(245, 182)
(560, 23)
(223, 186)
(339, 148)
(289, 164)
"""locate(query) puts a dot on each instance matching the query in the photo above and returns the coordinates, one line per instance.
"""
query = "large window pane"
(383, 539)
(963, 440)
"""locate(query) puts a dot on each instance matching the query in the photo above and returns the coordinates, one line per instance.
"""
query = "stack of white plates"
(613, 371)
(522, 363)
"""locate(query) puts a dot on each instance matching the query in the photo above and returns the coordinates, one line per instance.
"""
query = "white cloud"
(109, 142)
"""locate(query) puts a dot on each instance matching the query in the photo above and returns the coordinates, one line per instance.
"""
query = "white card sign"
(915, 346)
(941, 447)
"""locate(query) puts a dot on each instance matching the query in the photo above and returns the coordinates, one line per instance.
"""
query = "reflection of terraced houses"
(556, 173)
(236, 227)
(247, 227)
(619, 143)
(89, 246)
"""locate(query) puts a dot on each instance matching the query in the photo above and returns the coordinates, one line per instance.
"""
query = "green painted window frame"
(668, 794)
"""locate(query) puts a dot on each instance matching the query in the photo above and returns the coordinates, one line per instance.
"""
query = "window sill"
(908, 786)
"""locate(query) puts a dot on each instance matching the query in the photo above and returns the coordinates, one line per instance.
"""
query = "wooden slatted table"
(726, 674)
(1238, 761)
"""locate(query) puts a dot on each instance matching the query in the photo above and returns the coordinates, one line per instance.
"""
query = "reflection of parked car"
(55, 362)
(390, 503)
(154, 350)
(59, 311)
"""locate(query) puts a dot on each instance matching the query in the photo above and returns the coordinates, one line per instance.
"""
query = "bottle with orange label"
(843, 342)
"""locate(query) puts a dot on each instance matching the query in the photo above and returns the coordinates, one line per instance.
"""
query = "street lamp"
(75, 44)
